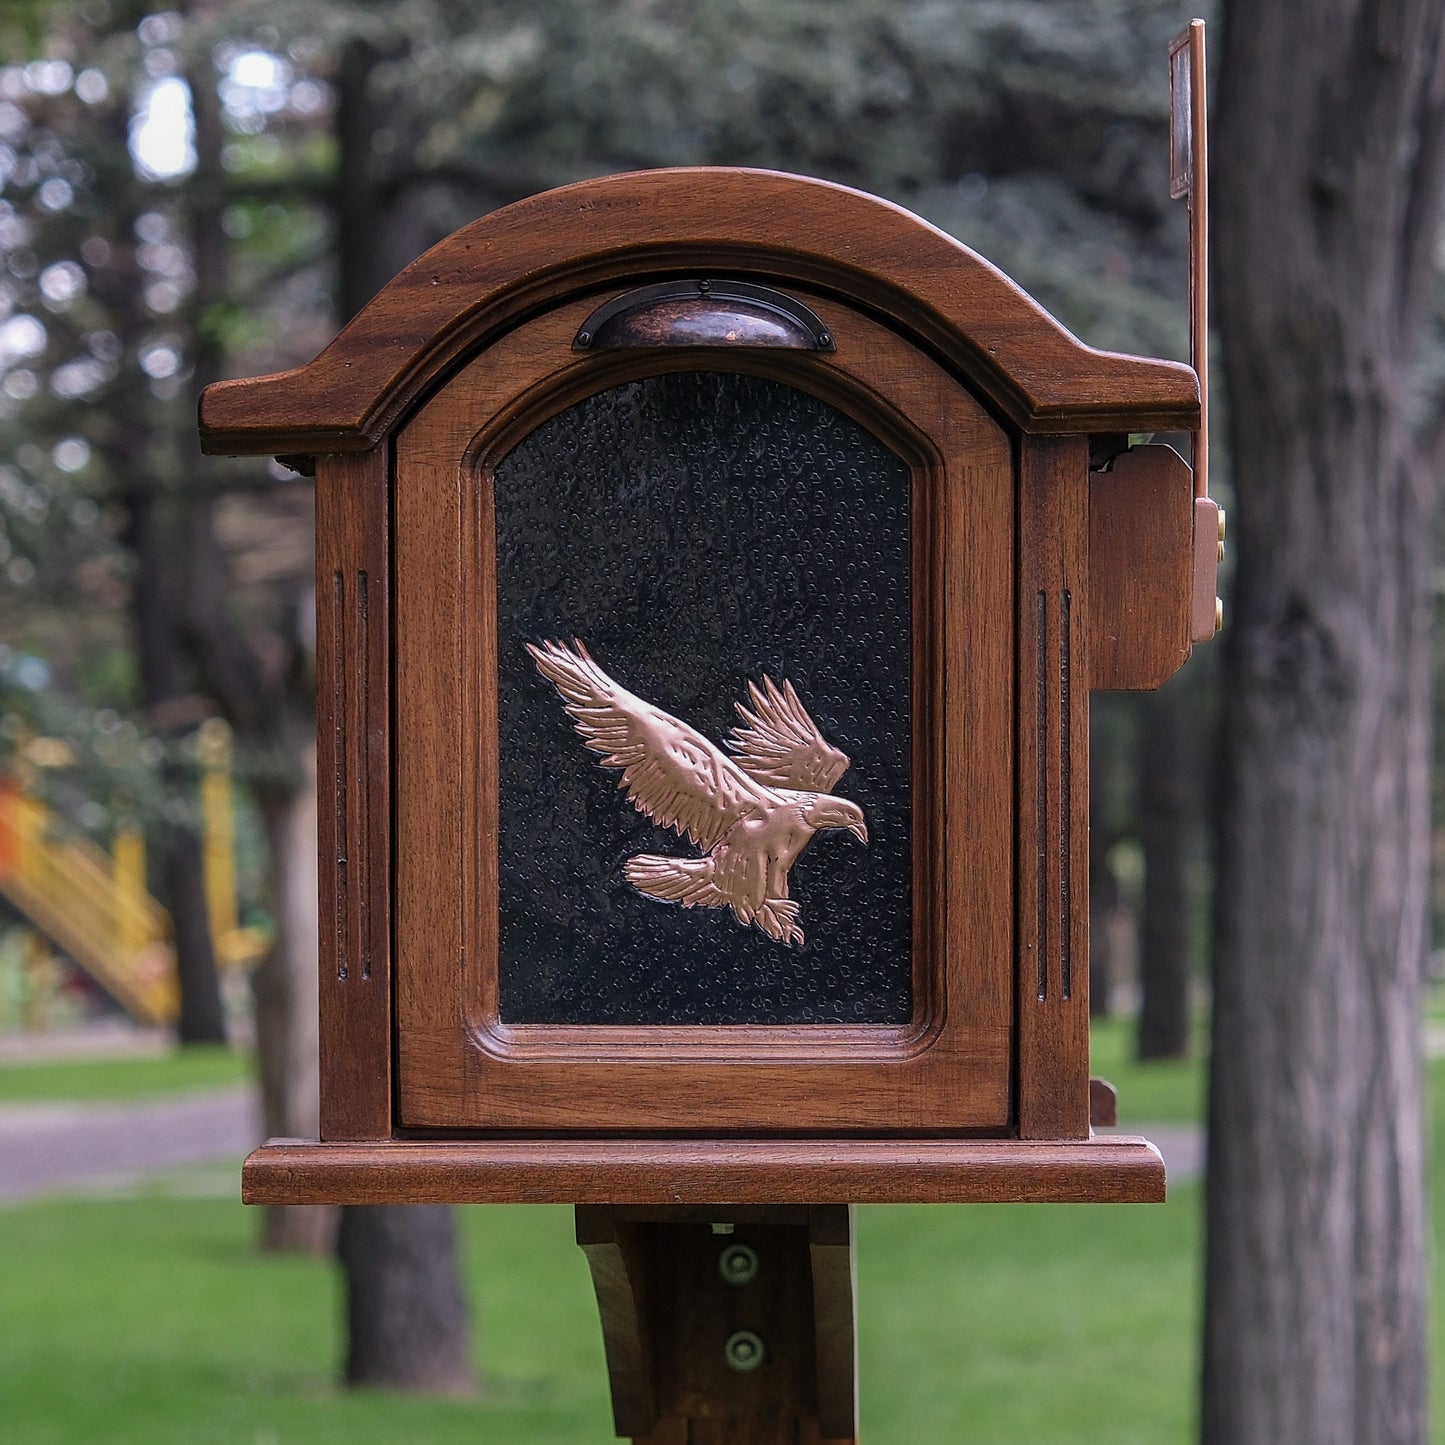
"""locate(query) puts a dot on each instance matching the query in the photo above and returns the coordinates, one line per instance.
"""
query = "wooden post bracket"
(726, 1325)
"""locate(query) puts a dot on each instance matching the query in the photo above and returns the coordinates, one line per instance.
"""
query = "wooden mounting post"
(727, 1325)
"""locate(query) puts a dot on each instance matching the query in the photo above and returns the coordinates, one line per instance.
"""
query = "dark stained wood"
(460, 1066)
(1141, 569)
(697, 1311)
(626, 230)
(1033, 582)
(1103, 1104)
(1116, 1169)
(353, 667)
(835, 1309)
(1053, 801)
(621, 1265)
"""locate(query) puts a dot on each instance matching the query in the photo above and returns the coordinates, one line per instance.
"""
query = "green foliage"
(1035, 129)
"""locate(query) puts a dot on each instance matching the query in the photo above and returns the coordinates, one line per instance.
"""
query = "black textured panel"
(697, 530)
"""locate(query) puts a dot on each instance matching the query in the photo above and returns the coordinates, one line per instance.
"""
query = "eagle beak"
(859, 831)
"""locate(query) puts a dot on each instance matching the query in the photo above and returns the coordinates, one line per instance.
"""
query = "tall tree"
(407, 1322)
(1171, 809)
(1330, 147)
(79, 220)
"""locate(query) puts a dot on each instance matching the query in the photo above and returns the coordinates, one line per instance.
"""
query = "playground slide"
(69, 890)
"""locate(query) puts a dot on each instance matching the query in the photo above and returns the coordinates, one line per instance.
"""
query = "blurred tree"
(72, 262)
(1113, 749)
(408, 1326)
(1173, 761)
(1330, 152)
(133, 149)
(407, 1322)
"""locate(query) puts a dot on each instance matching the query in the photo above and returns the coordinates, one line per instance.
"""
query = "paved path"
(54, 1148)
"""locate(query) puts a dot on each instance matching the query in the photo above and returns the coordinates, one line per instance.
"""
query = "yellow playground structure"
(95, 908)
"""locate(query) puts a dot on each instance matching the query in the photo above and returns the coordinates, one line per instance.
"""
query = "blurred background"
(210, 191)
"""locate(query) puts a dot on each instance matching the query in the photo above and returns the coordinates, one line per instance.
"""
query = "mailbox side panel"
(353, 693)
(1053, 789)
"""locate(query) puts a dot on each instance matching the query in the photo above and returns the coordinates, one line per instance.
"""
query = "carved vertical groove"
(364, 759)
(339, 779)
(1041, 821)
(354, 791)
(1065, 804)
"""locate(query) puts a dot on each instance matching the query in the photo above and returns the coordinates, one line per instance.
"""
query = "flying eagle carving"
(752, 814)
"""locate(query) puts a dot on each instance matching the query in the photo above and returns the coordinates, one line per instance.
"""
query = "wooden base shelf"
(1120, 1169)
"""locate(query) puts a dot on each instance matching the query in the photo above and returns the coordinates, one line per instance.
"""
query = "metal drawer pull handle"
(703, 313)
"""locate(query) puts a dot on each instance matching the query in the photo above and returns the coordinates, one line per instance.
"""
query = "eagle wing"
(780, 745)
(672, 773)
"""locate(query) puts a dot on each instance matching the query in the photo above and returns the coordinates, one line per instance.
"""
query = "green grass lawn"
(149, 1321)
(136, 1077)
(153, 1320)
(1164, 1091)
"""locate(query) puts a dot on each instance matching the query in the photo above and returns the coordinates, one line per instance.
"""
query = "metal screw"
(584, 338)
(738, 1264)
(704, 285)
(744, 1351)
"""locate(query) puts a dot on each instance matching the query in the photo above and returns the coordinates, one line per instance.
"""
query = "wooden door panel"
(935, 1053)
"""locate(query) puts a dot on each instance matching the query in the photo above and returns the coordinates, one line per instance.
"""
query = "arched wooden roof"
(630, 228)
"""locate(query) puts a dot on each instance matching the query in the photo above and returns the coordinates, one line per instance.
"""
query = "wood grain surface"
(1033, 579)
(1053, 789)
(622, 231)
(1118, 1169)
(1142, 569)
(353, 682)
(459, 1064)
(668, 1306)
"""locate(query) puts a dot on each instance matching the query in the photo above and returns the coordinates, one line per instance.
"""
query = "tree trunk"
(406, 1317)
(1112, 786)
(1171, 799)
(1328, 147)
(285, 988)
(202, 1014)
(152, 533)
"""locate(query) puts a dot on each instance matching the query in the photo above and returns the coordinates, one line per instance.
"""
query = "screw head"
(738, 1264)
(744, 1351)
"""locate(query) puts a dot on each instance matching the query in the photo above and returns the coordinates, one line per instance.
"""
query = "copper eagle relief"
(752, 814)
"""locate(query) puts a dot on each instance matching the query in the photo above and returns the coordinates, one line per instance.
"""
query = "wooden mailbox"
(770, 502)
